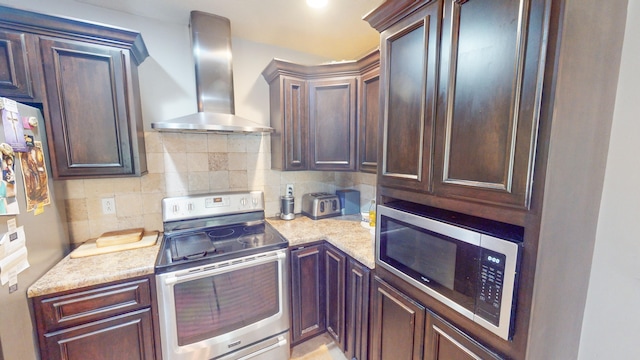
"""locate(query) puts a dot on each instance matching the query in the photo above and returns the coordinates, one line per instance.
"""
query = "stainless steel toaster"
(320, 205)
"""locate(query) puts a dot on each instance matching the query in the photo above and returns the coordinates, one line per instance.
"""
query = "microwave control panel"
(490, 286)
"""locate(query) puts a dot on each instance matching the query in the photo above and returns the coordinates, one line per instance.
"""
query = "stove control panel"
(214, 204)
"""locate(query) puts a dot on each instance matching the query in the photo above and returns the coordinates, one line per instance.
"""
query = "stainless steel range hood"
(211, 43)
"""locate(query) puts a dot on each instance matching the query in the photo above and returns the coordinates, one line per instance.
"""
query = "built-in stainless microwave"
(467, 263)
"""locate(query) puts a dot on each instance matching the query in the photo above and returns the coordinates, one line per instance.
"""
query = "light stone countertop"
(76, 273)
(343, 232)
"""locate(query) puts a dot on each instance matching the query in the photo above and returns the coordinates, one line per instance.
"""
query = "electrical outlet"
(289, 190)
(108, 206)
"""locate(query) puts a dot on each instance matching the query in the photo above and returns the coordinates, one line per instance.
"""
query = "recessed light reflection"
(317, 3)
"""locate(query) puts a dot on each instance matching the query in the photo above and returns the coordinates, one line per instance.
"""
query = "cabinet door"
(408, 60)
(128, 336)
(335, 268)
(445, 342)
(87, 103)
(368, 119)
(295, 128)
(307, 293)
(357, 336)
(15, 74)
(398, 324)
(489, 97)
(332, 124)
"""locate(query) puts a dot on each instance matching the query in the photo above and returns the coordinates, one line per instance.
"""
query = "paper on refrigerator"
(13, 255)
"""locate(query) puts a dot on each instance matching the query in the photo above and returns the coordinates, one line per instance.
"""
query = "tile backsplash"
(183, 164)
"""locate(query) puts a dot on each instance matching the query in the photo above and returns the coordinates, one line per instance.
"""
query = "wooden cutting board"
(119, 237)
(90, 248)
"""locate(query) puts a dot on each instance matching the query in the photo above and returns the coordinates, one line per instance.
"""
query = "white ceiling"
(336, 32)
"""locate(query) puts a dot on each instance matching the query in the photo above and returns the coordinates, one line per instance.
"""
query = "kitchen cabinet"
(330, 292)
(445, 342)
(489, 95)
(115, 319)
(398, 324)
(368, 117)
(307, 292)
(289, 119)
(460, 105)
(89, 79)
(521, 137)
(357, 311)
(332, 124)
(335, 270)
(317, 113)
(17, 72)
(408, 60)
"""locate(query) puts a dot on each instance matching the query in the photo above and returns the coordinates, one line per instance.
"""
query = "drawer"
(96, 303)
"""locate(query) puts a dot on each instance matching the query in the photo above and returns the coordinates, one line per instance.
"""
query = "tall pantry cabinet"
(500, 109)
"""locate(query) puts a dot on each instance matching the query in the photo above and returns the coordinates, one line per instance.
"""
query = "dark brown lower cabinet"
(128, 336)
(330, 292)
(357, 312)
(445, 342)
(335, 269)
(111, 321)
(398, 324)
(307, 293)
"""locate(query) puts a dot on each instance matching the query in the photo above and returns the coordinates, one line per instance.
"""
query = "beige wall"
(182, 164)
(612, 316)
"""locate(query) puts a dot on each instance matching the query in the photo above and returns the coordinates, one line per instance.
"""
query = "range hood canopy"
(211, 44)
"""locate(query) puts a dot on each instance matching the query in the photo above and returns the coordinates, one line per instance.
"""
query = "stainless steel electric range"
(221, 279)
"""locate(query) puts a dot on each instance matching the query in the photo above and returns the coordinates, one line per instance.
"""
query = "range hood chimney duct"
(211, 44)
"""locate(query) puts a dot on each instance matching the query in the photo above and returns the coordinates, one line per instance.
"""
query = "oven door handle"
(223, 267)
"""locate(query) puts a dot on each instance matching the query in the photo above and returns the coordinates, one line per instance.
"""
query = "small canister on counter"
(286, 207)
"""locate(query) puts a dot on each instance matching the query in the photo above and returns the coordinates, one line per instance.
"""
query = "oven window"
(447, 265)
(218, 304)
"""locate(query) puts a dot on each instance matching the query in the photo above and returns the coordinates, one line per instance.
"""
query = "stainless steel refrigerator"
(46, 242)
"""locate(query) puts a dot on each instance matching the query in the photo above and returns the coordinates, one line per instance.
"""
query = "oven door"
(237, 306)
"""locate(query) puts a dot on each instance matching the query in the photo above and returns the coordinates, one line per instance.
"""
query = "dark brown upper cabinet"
(460, 100)
(317, 114)
(332, 123)
(88, 74)
(489, 95)
(408, 62)
(369, 113)
(16, 72)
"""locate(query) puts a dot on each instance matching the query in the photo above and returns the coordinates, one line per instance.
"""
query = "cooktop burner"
(219, 240)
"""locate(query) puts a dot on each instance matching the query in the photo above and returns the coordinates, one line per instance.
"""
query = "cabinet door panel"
(307, 293)
(335, 267)
(332, 121)
(88, 108)
(128, 336)
(487, 137)
(15, 76)
(357, 312)
(398, 324)
(296, 124)
(408, 74)
(369, 119)
(445, 342)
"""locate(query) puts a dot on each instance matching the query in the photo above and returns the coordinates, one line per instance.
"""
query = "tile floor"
(308, 347)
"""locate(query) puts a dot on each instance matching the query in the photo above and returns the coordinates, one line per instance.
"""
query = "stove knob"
(243, 202)
(175, 208)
